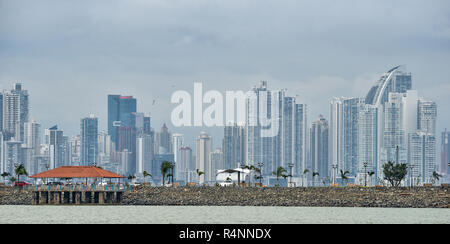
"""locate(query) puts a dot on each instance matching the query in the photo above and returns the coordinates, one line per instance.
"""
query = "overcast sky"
(70, 54)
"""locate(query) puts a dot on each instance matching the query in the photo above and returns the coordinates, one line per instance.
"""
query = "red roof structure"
(77, 172)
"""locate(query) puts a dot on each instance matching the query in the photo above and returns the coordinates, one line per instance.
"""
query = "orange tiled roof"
(77, 172)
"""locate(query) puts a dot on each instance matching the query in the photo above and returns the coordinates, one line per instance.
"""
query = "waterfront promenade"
(385, 197)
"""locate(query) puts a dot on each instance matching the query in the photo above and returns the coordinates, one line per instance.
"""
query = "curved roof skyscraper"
(394, 80)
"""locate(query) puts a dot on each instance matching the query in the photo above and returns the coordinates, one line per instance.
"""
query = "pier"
(77, 195)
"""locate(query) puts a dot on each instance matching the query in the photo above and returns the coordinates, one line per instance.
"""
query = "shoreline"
(365, 197)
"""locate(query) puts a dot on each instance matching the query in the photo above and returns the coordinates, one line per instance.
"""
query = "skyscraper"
(15, 111)
(32, 136)
(445, 153)
(204, 148)
(105, 149)
(368, 141)
(186, 166)
(11, 156)
(343, 133)
(300, 138)
(127, 142)
(216, 158)
(263, 128)
(177, 144)
(276, 131)
(394, 138)
(75, 149)
(233, 145)
(427, 113)
(163, 140)
(89, 140)
(422, 143)
(144, 153)
(319, 148)
(120, 114)
(394, 80)
(56, 146)
(422, 156)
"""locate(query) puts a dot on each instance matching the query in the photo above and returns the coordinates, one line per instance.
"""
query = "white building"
(204, 148)
(225, 178)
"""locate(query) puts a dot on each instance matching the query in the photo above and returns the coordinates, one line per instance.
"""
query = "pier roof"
(77, 172)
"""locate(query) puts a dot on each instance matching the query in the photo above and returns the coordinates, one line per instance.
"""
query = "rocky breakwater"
(14, 196)
(387, 197)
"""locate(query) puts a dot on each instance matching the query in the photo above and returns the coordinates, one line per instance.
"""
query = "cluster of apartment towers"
(392, 123)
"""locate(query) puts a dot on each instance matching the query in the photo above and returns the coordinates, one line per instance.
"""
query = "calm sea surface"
(217, 214)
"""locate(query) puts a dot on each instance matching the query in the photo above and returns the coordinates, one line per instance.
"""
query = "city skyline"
(406, 123)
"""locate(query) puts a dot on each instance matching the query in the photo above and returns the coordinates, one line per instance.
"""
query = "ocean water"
(217, 215)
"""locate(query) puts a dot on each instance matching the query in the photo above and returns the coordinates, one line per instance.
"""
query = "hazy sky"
(70, 54)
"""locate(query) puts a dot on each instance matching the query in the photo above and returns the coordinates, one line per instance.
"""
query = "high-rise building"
(204, 148)
(394, 147)
(1, 112)
(233, 145)
(276, 130)
(75, 148)
(185, 167)
(445, 153)
(422, 157)
(105, 149)
(27, 159)
(55, 146)
(144, 153)
(319, 149)
(368, 141)
(89, 140)
(127, 142)
(120, 114)
(147, 125)
(156, 165)
(394, 80)
(426, 115)
(163, 141)
(66, 151)
(32, 136)
(263, 133)
(216, 158)
(122, 118)
(15, 112)
(343, 133)
(177, 144)
(11, 156)
(300, 139)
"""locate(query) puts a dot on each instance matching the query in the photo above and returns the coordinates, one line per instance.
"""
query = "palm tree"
(435, 177)
(344, 176)
(4, 175)
(146, 174)
(20, 170)
(281, 172)
(199, 173)
(165, 167)
(314, 174)
(303, 176)
(12, 180)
